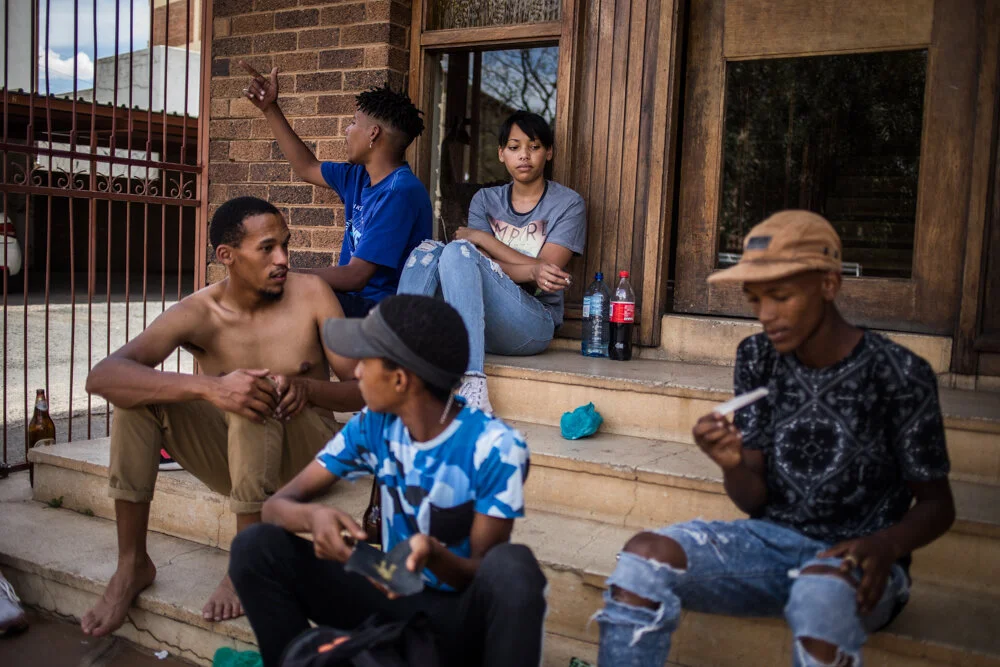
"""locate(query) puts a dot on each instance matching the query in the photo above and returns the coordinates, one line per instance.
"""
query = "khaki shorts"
(231, 454)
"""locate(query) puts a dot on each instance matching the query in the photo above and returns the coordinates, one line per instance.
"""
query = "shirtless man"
(258, 413)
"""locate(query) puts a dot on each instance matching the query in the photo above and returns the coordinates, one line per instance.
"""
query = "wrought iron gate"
(102, 189)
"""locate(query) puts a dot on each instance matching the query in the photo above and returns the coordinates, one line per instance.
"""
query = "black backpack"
(406, 643)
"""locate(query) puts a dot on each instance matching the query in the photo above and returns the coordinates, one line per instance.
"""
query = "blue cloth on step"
(580, 423)
(227, 657)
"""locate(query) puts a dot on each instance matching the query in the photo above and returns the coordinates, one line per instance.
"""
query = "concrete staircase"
(585, 499)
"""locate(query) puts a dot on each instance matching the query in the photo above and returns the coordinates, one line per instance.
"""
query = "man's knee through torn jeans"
(637, 636)
(740, 568)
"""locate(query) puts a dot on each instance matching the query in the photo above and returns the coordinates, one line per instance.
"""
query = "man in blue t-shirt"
(452, 483)
(387, 211)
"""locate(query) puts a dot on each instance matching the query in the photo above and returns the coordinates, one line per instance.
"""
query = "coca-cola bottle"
(622, 319)
(372, 520)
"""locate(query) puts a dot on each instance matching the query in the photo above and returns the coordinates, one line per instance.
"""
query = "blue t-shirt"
(476, 465)
(384, 222)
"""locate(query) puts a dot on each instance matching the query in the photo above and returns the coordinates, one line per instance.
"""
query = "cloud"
(60, 67)
(60, 29)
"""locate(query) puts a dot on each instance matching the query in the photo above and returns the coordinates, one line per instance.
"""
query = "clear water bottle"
(596, 307)
(622, 320)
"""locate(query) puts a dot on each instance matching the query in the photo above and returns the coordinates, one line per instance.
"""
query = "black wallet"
(388, 569)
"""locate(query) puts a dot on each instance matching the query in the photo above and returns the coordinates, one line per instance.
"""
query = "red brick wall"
(326, 52)
(178, 30)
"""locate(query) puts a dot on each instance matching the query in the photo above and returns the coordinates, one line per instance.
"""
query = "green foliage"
(55, 503)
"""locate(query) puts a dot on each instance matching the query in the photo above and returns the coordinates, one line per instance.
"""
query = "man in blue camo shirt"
(452, 483)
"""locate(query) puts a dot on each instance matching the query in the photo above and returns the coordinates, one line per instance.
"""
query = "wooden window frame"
(426, 44)
(945, 167)
(971, 338)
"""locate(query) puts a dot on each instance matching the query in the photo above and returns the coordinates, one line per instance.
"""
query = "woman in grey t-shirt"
(505, 272)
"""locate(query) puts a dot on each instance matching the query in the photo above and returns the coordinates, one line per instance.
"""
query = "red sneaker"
(167, 463)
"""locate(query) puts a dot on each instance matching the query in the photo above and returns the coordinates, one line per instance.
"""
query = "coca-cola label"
(622, 312)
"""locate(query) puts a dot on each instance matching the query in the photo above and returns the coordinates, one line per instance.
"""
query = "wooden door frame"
(984, 198)
(949, 32)
(662, 167)
(658, 117)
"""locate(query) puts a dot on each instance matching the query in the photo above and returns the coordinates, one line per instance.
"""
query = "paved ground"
(57, 642)
(74, 345)
(54, 642)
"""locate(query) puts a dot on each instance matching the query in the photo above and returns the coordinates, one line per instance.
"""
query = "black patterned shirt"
(842, 442)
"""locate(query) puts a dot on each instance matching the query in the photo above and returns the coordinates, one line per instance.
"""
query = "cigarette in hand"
(740, 402)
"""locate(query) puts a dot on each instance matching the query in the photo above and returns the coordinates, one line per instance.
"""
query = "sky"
(61, 43)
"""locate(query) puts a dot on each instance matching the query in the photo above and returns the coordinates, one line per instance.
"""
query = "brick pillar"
(325, 52)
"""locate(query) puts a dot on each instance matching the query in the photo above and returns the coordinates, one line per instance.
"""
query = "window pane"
(474, 93)
(838, 135)
(115, 69)
(478, 13)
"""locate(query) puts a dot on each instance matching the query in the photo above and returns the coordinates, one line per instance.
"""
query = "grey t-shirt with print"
(559, 217)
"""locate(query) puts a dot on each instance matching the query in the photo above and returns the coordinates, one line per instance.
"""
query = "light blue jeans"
(501, 318)
(739, 568)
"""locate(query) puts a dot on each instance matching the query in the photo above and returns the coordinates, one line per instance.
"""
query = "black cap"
(423, 335)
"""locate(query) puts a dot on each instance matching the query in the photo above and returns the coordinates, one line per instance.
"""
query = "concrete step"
(940, 626)
(617, 480)
(60, 561)
(662, 400)
(64, 568)
(75, 475)
(713, 340)
(638, 483)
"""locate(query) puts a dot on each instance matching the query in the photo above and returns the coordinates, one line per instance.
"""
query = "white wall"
(19, 49)
(169, 60)
(82, 166)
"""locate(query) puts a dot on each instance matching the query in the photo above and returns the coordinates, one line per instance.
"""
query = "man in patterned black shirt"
(828, 466)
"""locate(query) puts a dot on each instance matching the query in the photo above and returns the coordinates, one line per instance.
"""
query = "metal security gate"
(103, 140)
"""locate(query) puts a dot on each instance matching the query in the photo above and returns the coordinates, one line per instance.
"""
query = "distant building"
(18, 65)
(168, 64)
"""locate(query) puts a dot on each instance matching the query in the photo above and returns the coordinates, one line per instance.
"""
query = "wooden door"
(862, 111)
(987, 342)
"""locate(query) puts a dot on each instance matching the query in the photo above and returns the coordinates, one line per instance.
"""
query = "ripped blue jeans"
(500, 316)
(740, 568)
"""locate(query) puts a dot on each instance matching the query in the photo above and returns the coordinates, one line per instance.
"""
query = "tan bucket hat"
(786, 243)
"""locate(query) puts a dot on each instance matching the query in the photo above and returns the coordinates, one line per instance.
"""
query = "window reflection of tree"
(523, 79)
(839, 135)
(508, 80)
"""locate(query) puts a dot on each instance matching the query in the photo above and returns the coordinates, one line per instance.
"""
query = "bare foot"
(109, 613)
(224, 603)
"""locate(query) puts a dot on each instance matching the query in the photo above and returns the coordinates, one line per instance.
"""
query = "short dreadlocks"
(394, 108)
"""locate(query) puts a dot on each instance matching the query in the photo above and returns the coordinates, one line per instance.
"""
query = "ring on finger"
(850, 559)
